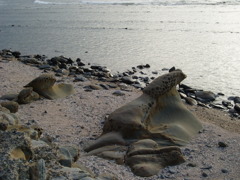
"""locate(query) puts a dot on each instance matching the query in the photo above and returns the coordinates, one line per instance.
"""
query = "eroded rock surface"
(147, 132)
(45, 86)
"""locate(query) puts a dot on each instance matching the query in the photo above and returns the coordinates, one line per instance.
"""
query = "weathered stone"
(27, 95)
(44, 86)
(11, 106)
(205, 96)
(9, 97)
(118, 93)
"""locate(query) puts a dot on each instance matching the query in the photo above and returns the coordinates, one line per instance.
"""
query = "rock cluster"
(25, 154)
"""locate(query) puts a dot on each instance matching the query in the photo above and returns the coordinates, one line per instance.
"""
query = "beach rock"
(9, 97)
(93, 87)
(45, 66)
(80, 78)
(118, 93)
(45, 86)
(11, 106)
(226, 103)
(27, 95)
(237, 107)
(172, 69)
(236, 99)
(127, 80)
(222, 144)
(149, 129)
(205, 96)
(31, 61)
(191, 101)
(16, 54)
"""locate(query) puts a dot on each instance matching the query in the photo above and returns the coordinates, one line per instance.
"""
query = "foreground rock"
(146, 133)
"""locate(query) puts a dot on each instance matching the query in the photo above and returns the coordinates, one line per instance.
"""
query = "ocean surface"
(201, 37)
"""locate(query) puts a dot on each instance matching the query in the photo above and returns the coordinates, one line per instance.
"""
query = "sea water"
(201, 37)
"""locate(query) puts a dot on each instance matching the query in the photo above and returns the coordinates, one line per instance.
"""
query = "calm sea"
(201, 37)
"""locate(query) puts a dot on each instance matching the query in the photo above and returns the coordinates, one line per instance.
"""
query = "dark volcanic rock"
(127, 80)
(237, 107)
(205, 96)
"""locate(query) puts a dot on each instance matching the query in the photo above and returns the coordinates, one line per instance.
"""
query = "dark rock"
(207, 167)
(205, 96)
(135, 77)
(226, 103)
(104, 86)
(88, 70)
(222, 144)
(217, 106)
(204, 174)
(9, 97)
(147, 66)
(16, 54)
(220, 94)
(154, 72)
(140, 67)
(118, 93)
(127, 80)
(191, 165)
(165, 69)
(236, 99)
(224, 171)
(80, 78)
(31, 61)
(44, 66)
(237, 107)
(93, 87)
(172, 69)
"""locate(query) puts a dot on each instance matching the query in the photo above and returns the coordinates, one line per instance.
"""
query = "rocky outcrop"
(147, 132)
(25, 154)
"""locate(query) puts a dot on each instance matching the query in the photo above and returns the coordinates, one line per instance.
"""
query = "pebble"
(204, 174)
(118, 93)
(224, 171)
(222, 144)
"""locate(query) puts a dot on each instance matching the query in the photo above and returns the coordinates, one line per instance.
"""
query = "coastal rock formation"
(147, 132)
(45, 86)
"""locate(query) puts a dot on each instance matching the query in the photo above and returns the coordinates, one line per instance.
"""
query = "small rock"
(205, 96)
(224, 171)
(191, 165)
(11, 106)
(44, 66)
(118, 93)
(236, 99)
(80, 78)
(191, 101)
(222, 144)
(172, 69)
(237, 107)
(204, 174)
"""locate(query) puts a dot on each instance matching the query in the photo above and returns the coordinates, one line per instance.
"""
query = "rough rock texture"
(44, 85)
(154, 124)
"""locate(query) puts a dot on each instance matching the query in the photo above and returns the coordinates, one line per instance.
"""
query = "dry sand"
(78, 119)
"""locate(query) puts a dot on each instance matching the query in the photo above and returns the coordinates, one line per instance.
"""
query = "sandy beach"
(78, 119)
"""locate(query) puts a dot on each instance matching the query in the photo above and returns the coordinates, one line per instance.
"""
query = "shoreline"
(79, 118)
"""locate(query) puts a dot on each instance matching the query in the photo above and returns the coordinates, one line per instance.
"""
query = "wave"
(139, 2)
